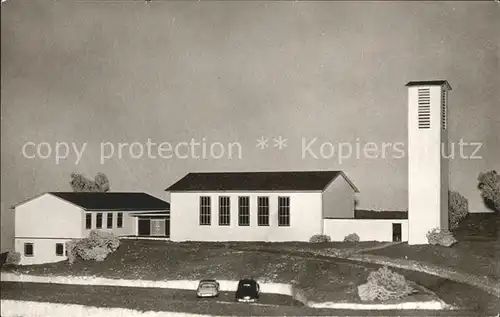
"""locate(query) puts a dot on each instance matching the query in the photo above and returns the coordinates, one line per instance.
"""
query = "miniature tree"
(80, 183)
(489, 185)
(458, 207)
(102, 182)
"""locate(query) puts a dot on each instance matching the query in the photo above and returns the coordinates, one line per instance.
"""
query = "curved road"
(182, 301)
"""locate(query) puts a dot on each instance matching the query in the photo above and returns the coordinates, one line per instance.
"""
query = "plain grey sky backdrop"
(235, 71)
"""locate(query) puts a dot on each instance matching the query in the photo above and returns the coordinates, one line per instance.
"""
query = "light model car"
(248, 291)
(208, 288)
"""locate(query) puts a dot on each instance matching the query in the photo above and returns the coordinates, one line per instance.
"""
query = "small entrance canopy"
(153, 223)
(150, 213)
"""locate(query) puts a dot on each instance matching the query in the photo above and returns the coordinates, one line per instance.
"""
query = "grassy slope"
(324, 278)
(298, 245)
(156, 260)
(153, 299)
(477, 252)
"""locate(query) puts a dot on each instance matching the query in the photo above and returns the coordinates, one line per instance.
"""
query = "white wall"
(129, 223)
(45, 221)
(366, 229)
(305, 218)
(48, 216)
(424, 168)
(44, 250)
(338, 199)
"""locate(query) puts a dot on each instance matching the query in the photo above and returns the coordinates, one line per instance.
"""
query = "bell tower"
(427, 165)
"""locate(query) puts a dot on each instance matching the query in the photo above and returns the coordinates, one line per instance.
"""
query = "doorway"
(396, 232)
(154, 226)
(158, 227)
(144, 227)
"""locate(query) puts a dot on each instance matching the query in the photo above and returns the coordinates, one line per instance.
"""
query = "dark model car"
(248, 291)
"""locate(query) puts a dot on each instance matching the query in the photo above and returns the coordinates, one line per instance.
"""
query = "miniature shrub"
(97, 246)
(441, 237)
(320, 238)
(13, 258)
(489, 185)
(71, 250)
(383, 285)
(458, 208)
(353, 237)
(96, 253)
(105, 239)
(3, 258)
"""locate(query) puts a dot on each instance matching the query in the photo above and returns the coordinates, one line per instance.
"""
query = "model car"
(248, 291)
(208, 288)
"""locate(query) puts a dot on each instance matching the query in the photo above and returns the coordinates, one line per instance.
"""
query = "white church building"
(295, 205)
(259, 206)
(256, 206)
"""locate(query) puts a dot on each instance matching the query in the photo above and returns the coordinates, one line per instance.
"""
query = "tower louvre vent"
(424, 108)
(444, 110)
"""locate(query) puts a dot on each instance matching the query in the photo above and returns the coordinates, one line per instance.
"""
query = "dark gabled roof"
(429, 83)
(93, 201)
(258, 181)
(372, 214)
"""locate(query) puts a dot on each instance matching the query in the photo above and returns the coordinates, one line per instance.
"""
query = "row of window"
(244, 211)
(109, 220)
(29, 249)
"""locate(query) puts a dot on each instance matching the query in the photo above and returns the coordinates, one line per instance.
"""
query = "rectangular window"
(59, 249)
(98, 221)
(424, 108)
(88, 221)
(28, 249)
(224, 211)
(110, 220)
(263, 211)
(444, 110)
(284, 211)
(244, 211)
(205, 212)
(119, 220)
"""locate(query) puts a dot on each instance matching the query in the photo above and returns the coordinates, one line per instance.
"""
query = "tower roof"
(429, 83)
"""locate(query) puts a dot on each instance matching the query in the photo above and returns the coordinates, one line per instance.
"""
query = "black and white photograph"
(193, 158)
